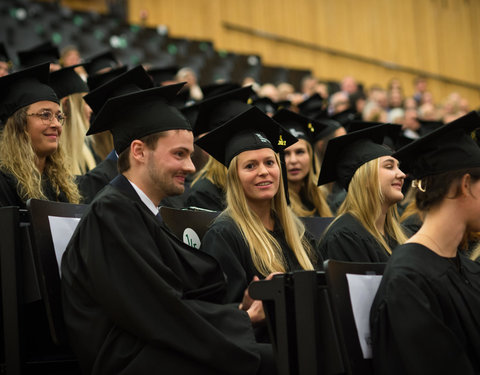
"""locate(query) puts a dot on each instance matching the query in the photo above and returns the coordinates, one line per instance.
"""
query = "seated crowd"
(400, 175)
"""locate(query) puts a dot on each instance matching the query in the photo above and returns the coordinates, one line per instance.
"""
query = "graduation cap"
(98, 80)
(345, 116)
(448, 148)
(266, 105)
(164, 74)
(312, 106)
(345, 154)
(191, 114)
(215, 89)
(283, 104)
(330, 126)
(23, 88)
(393, 137)
(45, 52)
(100, 61)
(138, 114)
(217, 110)
(4, 54)
(250, 130)
(67, 82)
(427, 126)
(133, 80)
(299, 126)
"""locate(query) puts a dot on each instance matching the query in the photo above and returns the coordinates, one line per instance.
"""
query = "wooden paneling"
(438, 36)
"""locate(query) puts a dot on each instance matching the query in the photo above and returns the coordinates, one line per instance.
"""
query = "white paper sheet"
(362, 292)
(62, 229)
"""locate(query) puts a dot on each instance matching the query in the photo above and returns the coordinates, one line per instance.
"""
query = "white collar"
(146, 200)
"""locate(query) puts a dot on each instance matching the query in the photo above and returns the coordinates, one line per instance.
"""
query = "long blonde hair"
(215, 172)
(311, 191)
(265, 250)
(364, 201)
(18, 158)
(73, 139)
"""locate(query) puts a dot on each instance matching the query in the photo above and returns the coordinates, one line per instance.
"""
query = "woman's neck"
(441, 233)
(295, 186)
(40, 163)
(380, 222)
(263, 211)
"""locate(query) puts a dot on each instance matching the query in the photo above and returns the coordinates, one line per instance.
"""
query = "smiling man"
(136, 299)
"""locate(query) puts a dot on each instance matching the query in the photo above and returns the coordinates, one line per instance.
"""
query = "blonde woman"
(366, 228)
(208, 188)
(257, 234)
(70, 89)
(306, 198)
(32, 161)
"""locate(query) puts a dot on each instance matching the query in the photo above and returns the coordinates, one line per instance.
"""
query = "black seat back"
(188, 225)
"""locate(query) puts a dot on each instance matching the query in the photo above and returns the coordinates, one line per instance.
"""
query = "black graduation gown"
(205, 194)
(138, 301)
(347, 240)
(225, 242)
(9, 195)
(96, 179)
(425, 317)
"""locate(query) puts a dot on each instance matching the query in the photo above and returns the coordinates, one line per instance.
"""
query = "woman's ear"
(64, 103)
(466, 184)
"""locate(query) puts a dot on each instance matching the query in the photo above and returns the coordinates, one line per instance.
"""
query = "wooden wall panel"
(438, 36)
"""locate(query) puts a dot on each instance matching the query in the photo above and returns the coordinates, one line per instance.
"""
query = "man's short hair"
(123, 163)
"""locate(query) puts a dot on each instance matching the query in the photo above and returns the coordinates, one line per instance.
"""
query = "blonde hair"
(102, 144)
(265, 250)
(311, 191)
(364, 201)
(215, 172)
(74, 140)
(18, 158)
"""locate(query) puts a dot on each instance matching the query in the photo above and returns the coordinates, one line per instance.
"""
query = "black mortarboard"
(393, 135)
(427, 126)
(101, 61)
(448, 148)
(3, 53)
(250, 130)
(164, 74)
(299, 126)
(98, 80)
(191, 113)
(345, 154)
(45, 52)
(283, 104)
(215, 89)
(345, 116)
(330, 126)
(266, 105)
(134, 80)
(23, 88)
(67, 82)
(312, 106)
(136, 115)
(217, 110)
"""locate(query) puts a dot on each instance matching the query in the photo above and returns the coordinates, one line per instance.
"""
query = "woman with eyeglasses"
(32, 162)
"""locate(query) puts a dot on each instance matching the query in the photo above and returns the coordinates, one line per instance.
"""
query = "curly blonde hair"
(18, 158)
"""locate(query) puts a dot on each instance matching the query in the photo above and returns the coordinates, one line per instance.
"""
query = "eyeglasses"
(47, 117)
